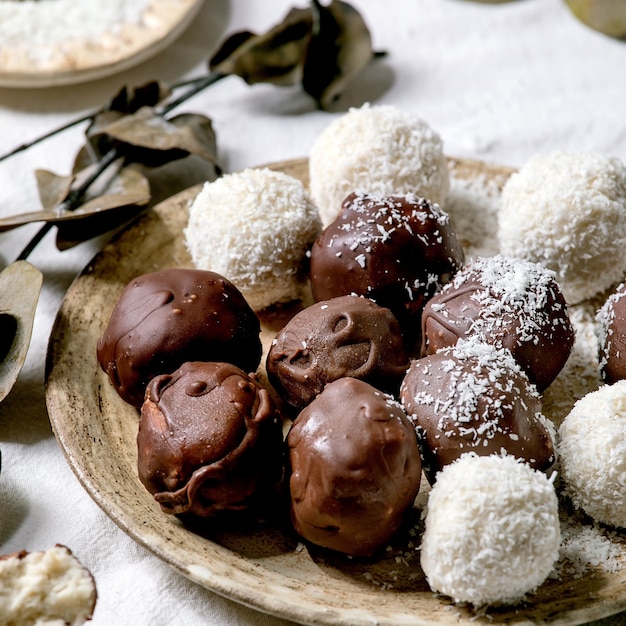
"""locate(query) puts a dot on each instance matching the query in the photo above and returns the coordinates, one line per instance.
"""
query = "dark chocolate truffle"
(355, 468)
(163, 319)
(511, 303)
(347, 336)
(210, 440)
(611, 320)
(396, 250)
(474, 397)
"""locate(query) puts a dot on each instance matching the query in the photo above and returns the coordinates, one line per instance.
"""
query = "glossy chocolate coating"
(355, 468)
(396, 250)
(530, 318)
(475, 399)
(612, 340)
(166, 318)
(347, 336)
(209, 440)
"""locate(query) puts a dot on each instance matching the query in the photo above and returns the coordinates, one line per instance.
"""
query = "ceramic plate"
(77, 60)
(267, 567)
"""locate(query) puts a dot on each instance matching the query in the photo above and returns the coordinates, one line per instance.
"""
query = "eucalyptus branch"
(201, 80)
(75, 197)
(72, 201)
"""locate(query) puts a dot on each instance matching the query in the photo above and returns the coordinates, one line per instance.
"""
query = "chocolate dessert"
(396, 250)
(355, 468)
(511, 303)
(163, 319)
(473, 397)
(611, 320)
(347, 336)
(209, 441)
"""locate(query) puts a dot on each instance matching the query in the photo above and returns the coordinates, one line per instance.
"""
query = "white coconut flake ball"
(492, 530)
(567, 211)
(592, 451)
(254, 227)
(380, 150)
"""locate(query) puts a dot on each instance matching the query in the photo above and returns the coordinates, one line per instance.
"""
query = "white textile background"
(499, 82)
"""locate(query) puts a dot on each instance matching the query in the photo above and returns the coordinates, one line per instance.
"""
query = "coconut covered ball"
(592, 451)
(567, 211)
(254, 227)
(379, 150)
(492, 530)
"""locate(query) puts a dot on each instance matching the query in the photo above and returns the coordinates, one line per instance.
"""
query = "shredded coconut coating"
(47, 587)
(567, 211)
(492, 531)
(592, 450)
(379, 150)
(254, 227)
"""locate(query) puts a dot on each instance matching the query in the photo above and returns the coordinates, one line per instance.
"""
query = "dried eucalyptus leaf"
(153, 141)
(53, 189)
(126, 188)
(274, 57)
(20, 286)
(123, 200)
(340, 48)
(131, 99)
(73, 232)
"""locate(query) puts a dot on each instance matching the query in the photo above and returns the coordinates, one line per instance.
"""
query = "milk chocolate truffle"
(473, 397)
(511, 303)
(166, 318)
(355, 468)
(396, 250)
(209, 441)
(611, 326)
(347, 336)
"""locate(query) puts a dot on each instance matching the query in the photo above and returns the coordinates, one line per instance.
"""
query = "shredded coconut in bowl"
(379, 150)
(567, 211)
(592, 452)
(492, 531)
(254, 227)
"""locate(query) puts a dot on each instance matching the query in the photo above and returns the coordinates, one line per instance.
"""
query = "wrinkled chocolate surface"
(355, 468)
(166, 318)
(528, 318)
(396, 250)
(465, 399)
(347, 336)
(209, 440)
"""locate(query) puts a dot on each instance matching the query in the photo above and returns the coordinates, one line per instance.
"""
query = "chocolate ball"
(473, 397)
(611, 320)
(396, 250)
(163, 319)
(347, 336)
(209, 441)
(355, 468)
(511, 303)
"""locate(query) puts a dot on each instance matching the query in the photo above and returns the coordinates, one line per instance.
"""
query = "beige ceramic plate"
(81, 60)
(266, 567)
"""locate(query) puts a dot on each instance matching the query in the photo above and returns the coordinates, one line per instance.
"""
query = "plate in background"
(81, 60)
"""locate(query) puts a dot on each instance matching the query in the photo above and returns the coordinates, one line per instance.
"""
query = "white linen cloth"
(499, 82)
